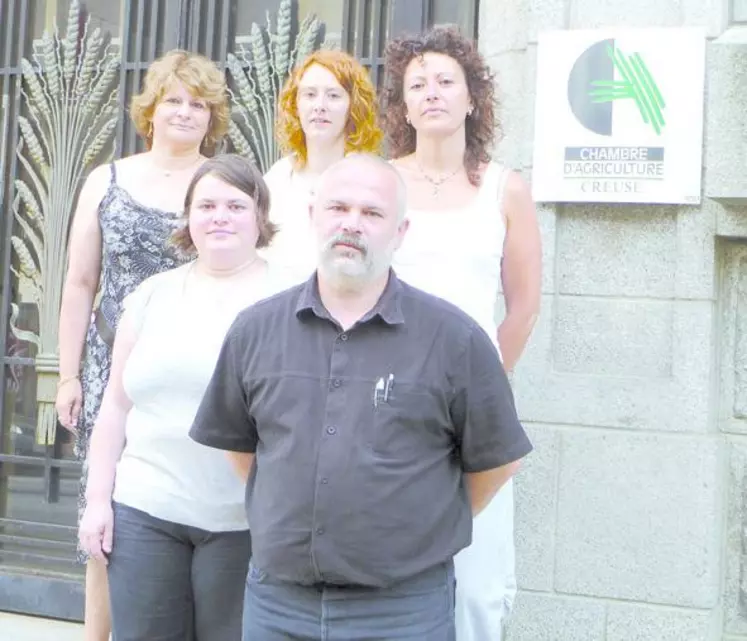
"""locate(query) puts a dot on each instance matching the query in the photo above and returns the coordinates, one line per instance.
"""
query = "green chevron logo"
(637, 84)
(602, 76)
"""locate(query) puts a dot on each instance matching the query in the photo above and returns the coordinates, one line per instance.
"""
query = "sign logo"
(602, 76)
(616, 120)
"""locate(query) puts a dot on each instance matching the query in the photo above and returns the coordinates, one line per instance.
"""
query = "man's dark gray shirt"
(361, 436)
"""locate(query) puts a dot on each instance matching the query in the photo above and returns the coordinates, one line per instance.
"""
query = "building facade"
(631, 517)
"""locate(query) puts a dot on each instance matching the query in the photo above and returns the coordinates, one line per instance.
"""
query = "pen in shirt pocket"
(383, 389)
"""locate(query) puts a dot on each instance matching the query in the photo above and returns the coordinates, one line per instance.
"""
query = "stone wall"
(632, 511)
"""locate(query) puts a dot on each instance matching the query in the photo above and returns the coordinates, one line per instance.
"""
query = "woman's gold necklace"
(437, 182)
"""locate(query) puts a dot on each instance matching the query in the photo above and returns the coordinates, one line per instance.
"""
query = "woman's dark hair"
(480, 126)
(238, 172)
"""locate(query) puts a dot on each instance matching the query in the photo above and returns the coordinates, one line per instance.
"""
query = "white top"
(456, 254)
(293, 248)
(162, 471)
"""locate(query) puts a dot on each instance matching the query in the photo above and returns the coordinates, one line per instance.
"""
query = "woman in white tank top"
(473, 231)
(165, 514)
(327, 110)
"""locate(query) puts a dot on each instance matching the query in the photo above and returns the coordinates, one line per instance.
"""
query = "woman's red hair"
(362, 133)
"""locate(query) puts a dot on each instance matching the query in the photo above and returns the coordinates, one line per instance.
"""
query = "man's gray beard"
(346, 276)
(354, 278)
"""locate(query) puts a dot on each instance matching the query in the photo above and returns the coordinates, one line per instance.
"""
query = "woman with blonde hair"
(327, 109)
(125, 214)
(473, 233)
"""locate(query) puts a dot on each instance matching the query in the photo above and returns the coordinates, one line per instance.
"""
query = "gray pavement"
(14, 627)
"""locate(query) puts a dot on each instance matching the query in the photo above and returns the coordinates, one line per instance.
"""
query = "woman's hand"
(95, 531)
(68, 403)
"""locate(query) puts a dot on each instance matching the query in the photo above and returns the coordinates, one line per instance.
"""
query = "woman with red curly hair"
(473, 233)
(327, 110)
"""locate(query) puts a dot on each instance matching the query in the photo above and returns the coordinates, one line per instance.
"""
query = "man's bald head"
(368, 162)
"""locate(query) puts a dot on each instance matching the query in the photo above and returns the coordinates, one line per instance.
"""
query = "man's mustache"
(348, 239)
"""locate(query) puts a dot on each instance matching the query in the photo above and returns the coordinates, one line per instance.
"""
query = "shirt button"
(343, 337)
(320, 531)
(331, 430)
(325, 481)
(336, 383)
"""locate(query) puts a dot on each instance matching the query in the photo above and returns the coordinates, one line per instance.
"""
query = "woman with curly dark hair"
(473, 233)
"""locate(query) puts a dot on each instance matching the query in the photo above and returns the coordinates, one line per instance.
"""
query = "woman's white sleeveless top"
(456, 254)
(293, 249)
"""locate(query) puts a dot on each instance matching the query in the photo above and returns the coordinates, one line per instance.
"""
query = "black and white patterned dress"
(135, 245)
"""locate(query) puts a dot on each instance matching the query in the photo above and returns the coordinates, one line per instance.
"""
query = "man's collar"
(309, 299)
(388, 307)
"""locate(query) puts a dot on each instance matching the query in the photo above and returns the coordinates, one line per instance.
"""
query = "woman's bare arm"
(81, 283)
(108, 435)
(521, 270)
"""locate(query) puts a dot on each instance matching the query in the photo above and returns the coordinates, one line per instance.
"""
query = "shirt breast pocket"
(409, 421)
